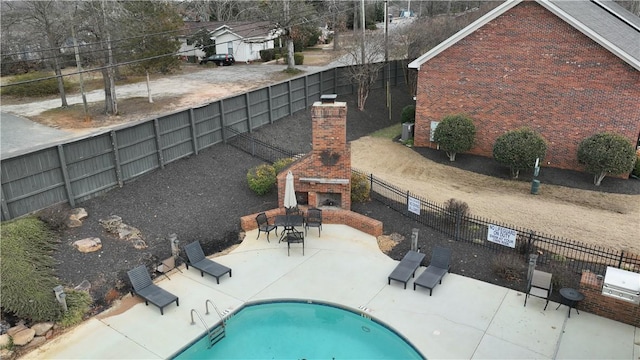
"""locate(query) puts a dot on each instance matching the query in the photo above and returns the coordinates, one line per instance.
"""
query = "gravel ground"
(202, 198)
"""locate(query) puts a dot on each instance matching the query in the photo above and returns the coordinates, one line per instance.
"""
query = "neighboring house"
(567, 69)
(242, 39)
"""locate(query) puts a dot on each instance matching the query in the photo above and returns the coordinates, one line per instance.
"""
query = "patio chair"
(196, 258)
(406, 268)
(294, 237)
(539, 286)
(150, 292)
(264, 226)
(439, 266)
(314, 219)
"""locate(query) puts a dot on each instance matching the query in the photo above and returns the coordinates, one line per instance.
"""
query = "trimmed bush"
(636, 168)
(360, 188)
(28, 270)
(78, 305)
(408, 114)
(606, 154)
(282, 164)
(261, 178)
(455, 134)
(33, 88)
(519, 149)
(298, 58)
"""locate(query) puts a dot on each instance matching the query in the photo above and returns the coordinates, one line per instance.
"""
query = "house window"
(189, 41)
(434, 125)
(230, 48)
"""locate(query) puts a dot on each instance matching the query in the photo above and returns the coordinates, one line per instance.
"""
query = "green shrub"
(636, 168)
(27, 270)
(282, 164)
(455, 134)
(298, 58)
(261, 178)
(33, 88)
(606, 154)
(519, 149)
(408, 114)
(360, 188)
(78, 305)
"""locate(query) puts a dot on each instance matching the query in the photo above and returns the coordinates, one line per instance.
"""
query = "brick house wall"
(528, 67)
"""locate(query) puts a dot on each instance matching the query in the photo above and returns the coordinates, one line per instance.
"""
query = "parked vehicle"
(219, 59)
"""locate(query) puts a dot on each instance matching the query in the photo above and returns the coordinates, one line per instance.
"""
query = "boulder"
(111, 223)
(88, 245)
(78, 214)
(42, 328)
(37, 341)
(5, 353)
(5, 339)
(16, 329)
(23, 337)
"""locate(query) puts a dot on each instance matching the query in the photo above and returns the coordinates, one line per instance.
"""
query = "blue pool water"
(299, 330)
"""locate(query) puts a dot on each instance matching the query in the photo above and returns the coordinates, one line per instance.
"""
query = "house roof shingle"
(605, 22)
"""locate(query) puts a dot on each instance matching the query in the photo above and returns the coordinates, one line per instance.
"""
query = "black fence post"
(530, 242)
(620, 260)
(458, 225)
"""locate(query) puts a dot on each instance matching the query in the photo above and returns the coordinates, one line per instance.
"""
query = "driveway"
(18, 134)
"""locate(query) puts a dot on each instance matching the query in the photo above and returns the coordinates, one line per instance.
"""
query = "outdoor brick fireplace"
(322, 178)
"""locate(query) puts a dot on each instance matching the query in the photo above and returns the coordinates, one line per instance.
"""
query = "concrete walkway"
(464, 319)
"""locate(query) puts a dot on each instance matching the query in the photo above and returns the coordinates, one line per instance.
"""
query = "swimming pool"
(302, 330)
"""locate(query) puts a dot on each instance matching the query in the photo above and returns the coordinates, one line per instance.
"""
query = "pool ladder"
(216, 334)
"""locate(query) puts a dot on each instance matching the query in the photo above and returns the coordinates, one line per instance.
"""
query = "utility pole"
(79, 67)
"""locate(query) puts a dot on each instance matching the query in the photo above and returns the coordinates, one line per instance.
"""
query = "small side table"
(572, 297)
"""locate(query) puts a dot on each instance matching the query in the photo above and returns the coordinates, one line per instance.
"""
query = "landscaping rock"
(78, 214)
(16, 329)
(4, 326)
(111, 223)
(23, 337)
(5, 353)
(139, 244)
(88, 245)
(73, 223)
(85, 285)
(5, 339)
(42, 328)
(37, 341)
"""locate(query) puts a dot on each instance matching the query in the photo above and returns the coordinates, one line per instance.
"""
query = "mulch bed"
(201, 198)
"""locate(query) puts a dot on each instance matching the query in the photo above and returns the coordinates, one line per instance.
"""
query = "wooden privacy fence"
(87, 167)
(473, 229)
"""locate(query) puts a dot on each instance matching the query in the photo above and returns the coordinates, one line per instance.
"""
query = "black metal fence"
(473, 229)
(468, 228)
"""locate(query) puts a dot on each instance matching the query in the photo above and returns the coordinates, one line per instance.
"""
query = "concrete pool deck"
(464, 319)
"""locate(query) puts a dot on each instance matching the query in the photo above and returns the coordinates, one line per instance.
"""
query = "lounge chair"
(540, 286)
(314, 219)
(406, 268)
(196, 258)
(439, 266)
(264, 226)
(150, 292)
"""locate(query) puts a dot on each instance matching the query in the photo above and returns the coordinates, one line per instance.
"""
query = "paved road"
(18, 134)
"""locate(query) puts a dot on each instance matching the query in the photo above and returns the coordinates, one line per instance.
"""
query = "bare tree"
(45, 20)
(365, 57)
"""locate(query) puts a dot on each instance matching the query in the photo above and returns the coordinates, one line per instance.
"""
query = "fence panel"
(313, 90)
(235, 113)
(328, 82)
(297, 89)
(32, 181)
(208, 122)
(137, 150)
(280, 106)
(91, 166)
(175, 136)
(259, 105)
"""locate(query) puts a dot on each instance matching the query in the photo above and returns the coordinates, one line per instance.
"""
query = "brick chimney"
(323, 177)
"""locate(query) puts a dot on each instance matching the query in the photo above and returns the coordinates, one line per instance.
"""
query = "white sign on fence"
(502, 236)
(414, 205)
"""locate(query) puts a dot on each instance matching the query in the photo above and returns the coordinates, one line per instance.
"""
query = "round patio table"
(571, 298)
